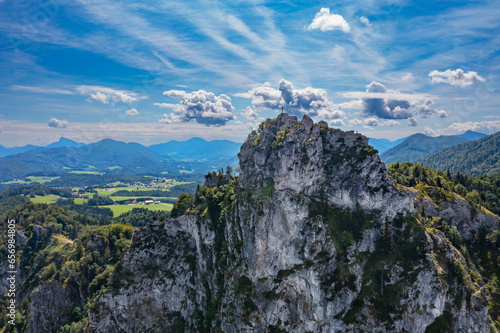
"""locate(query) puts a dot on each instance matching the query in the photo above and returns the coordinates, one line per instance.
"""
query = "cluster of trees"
(139, 217)
(483, 190)
(479, 157)
(67, 247)
(102, 214)
(35, 190)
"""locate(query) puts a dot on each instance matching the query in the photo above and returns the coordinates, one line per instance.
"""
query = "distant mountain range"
(6, 151)
(479, 157)
(197, 149)
(418, 146)
(195, 155)
(64, 142)
(383, 144)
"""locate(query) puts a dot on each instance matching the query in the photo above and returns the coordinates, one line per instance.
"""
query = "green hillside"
(419, 146)
(480, 157)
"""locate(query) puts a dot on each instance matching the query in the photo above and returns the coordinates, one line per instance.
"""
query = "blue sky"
(161, 70)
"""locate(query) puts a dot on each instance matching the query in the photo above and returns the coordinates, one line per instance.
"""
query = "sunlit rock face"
(316, 239)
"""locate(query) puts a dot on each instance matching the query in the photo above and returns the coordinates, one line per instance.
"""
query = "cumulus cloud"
(250, 114)
(336, 122)
(99, 97)
(482, 127)
(105, 95)
(355, 104)
(385, 108)
(308, 101)
(457, 78)
(326, 21)
(425, 110)
(372, 122)
(203, 107)
(430, 132)
(56, 123)
(132, 112)
(264, 96)
(355, 122)
(390, 123)
(394, 107)
(169, 118)
(412, 122)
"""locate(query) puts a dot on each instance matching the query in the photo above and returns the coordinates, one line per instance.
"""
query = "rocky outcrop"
(49, 308)
(318, 239)
(164, 282)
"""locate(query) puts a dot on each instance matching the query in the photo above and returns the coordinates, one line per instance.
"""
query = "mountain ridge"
(418, 146)
(479, 157)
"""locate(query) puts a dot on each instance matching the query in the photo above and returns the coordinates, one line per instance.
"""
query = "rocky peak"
(312, 159)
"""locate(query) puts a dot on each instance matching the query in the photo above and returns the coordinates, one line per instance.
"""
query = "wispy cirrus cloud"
(43, 90)
(99, 94)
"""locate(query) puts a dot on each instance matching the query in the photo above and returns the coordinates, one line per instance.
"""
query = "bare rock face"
(319, 239)
(163, 282)
(49, 307)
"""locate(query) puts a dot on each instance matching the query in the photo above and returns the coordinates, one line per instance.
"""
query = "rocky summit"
(312, 236)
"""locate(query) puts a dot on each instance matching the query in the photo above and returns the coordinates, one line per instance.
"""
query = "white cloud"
(430, 132)
(99, 97)
(203, 107)
(390, 122)
(408, 77)
(364, 20)
(457, 78)
(170, 118)
(263, 96)
(425, 110)
(43, 90)
(355, 104)
(105, 95)
(99, 94)
(389, 94)
(487, 127)
(325, 21)
(390, 104)
(309, 101)
(372, 122)
(355, 122)
(175, 93)
(412, 122)
(336, 123)
(56, 123)
(132, 112)
(250, 114)
(385, 108)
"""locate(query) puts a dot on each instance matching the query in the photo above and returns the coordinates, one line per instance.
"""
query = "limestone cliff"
(312, 237)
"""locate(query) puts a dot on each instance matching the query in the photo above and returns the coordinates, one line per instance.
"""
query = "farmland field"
(120, 209)
(48, 199)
